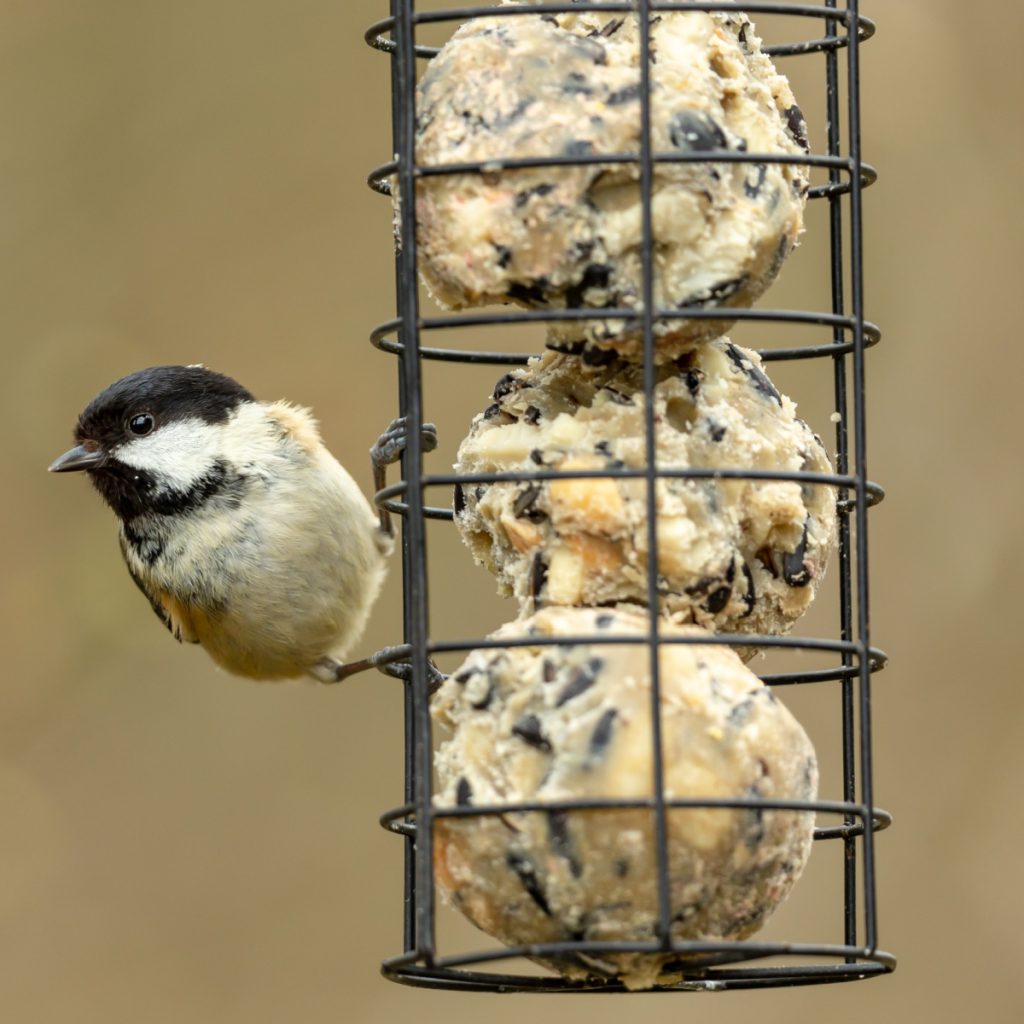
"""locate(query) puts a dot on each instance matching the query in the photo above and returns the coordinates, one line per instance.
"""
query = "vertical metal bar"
(842, 463)
(409, 863)
(860, 455)
(417, 626)
(409, 794)
(647, 253)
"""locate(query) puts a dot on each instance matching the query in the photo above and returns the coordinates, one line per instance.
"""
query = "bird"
(242, 530)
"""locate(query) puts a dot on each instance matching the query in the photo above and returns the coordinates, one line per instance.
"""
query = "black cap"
(166, 393)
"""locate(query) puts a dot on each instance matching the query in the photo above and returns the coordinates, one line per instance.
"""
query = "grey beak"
(77, 459)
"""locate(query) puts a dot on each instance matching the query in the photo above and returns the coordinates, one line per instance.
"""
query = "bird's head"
(154, 441)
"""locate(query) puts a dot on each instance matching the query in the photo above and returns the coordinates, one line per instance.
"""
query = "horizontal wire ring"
(376, 36)
(377, 179)
(440, 972)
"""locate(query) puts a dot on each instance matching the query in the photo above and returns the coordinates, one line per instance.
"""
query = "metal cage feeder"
(715, 965)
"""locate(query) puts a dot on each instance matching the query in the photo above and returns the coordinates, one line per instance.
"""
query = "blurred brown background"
(184, 182)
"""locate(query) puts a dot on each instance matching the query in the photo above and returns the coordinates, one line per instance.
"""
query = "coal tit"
(243, 531)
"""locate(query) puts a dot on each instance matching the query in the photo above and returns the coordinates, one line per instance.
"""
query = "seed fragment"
(602, 734)
(506, 386)
(580, 680)
(718, 600)
(751, 595)
(757, 376)
(561, 841)
(527, 873)
(526, 500)
(795, 569)
(538, 575)
(693, 130)
(617, 396)
(528, 729)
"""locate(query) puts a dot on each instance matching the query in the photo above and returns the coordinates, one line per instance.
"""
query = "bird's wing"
(169, 610)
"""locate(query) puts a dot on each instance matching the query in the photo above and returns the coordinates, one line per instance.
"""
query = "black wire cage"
(826, 30)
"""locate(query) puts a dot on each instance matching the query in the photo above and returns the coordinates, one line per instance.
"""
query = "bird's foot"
(387, 449)
(392, 661)
(403, 670)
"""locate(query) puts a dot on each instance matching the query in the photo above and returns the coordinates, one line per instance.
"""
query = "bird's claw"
(387, 449)
(390, 445)
(403, 670)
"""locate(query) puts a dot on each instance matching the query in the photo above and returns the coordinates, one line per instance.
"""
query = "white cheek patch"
(177, 454)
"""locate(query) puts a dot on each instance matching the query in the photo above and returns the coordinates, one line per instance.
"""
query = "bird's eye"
(141, 424)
